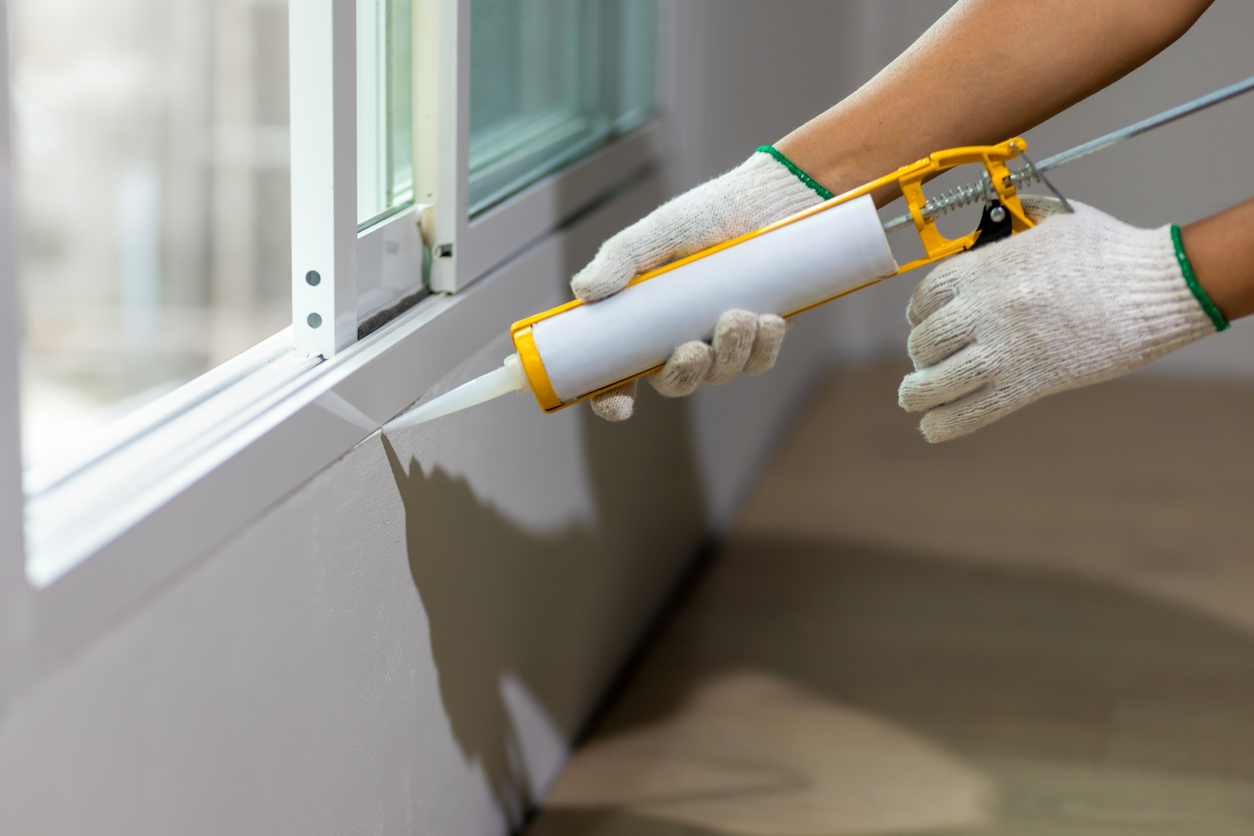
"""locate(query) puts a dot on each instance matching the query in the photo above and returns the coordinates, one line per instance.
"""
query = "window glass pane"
(637, 68)
(549, 81)
(151, 163)
(385, 153)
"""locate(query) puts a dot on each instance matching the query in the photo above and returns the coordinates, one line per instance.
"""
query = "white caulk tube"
(573, 351)
(783, 271)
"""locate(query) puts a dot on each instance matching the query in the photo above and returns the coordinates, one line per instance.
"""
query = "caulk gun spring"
(1036, 174)
(1025, 176)
(969, 193)
(955, 198)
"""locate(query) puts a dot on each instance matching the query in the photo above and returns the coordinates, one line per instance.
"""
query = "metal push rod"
(969, 192)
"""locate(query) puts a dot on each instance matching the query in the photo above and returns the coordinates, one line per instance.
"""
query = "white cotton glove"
(1078, 299)
(764, 189)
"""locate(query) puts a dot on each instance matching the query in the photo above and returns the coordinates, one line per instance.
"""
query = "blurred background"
(152, 198)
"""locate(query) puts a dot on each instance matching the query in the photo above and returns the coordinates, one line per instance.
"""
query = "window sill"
(171, 485)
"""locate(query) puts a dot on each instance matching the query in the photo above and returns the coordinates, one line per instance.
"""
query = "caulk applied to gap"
(572, 352)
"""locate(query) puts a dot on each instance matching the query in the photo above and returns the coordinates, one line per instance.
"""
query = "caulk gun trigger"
(995, 224)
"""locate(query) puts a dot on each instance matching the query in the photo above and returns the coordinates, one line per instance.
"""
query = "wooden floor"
(1046, 628)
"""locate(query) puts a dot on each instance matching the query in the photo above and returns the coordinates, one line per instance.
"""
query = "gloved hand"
(764, 189)
(1079, 299)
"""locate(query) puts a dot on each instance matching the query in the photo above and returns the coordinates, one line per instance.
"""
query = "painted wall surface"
(407, 643)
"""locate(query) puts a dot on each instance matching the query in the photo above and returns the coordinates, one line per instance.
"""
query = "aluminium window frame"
(149, 498)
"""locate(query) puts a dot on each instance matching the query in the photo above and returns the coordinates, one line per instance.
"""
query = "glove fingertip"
(906, 398)
(617, 404)
(593, 288)
(734, 336)
(766, 345)
(684, 371)
(604, 276)
(932, 432)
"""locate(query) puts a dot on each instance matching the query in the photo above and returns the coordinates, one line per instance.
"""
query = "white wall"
(407, 643)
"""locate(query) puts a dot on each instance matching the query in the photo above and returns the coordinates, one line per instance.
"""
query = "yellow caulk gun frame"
(908, 178)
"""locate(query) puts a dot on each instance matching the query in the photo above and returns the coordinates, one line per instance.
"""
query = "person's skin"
(986, 71)
(1221, 251)
(991, 69)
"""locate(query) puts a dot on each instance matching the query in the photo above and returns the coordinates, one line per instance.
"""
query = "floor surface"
(1044, 628)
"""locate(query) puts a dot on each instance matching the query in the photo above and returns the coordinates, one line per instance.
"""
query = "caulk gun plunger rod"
(1146, 125)
(1030, 171)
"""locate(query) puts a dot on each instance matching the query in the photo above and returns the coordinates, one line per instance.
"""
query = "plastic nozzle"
(508, 378)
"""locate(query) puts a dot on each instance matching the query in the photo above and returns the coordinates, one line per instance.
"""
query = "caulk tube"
(577, 350)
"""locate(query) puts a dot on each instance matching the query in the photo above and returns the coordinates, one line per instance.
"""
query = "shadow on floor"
(1024, 702)
(505, 606)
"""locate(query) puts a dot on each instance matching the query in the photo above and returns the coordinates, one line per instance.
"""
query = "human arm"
(987, 70)
(1221, 250)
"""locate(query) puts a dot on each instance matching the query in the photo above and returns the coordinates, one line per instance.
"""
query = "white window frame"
(144, 500)
(466, 248)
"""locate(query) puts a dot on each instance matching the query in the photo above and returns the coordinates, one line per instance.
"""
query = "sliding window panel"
(385, 135)
(391, 257)
(479, 127)
(551, 80)
(533, 86)
(322, 44)
(357, 253)
(556, 104)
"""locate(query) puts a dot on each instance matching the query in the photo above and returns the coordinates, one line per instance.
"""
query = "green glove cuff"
(800, 175)
(1190, 278)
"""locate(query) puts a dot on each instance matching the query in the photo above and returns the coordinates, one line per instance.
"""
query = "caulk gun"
(574, 351)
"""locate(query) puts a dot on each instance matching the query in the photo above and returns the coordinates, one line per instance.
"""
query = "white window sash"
(323, 55)
(466, 248)
(144, 502)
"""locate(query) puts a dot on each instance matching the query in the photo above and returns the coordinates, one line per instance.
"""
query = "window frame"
(466, 247)
(106, 528)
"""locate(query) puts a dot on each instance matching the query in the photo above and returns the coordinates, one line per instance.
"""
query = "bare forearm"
(1221, 252)
(986, 71)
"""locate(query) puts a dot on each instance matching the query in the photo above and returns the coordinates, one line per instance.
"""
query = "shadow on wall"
(814, 687)
(508, 606)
